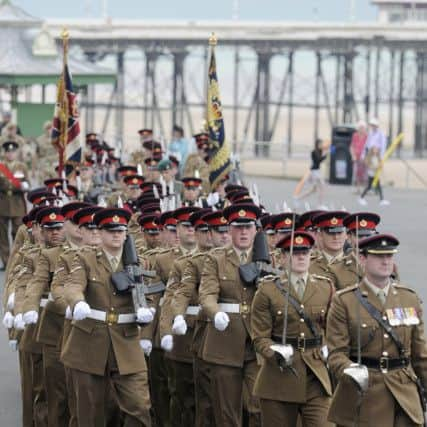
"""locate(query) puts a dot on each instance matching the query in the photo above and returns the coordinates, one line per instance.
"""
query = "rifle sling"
(376, 314)
(297, 306)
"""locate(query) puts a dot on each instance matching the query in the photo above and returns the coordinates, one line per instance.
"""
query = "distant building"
(398, 11)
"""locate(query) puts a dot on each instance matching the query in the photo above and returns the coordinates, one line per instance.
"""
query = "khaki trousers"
(159, 388)
(130, 392)
(181, 388)
(4, 237)
(312, 413)
(56, 387)
(203, 393)
(232, 394)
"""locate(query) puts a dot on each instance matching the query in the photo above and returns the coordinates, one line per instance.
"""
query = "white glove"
(146, 346)
(221, 321)
(167, 343)
(81, 310)
(30, 317)
(360, 374)
(212, 199)
(145, 314)
(18, 322)
(179, 326)
(8, 320)
(11, 301)
(25, 186)
(68, 314)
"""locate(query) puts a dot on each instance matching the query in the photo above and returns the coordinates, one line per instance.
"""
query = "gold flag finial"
(65, 35)
(213, 40)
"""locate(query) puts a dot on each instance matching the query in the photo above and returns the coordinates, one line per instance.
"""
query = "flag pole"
(63, 134)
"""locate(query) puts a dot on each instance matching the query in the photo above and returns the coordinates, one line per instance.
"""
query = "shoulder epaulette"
(268, 278)
(347, 289)
(182, 257)
(406, 288)
(199, 254)
(320, 277)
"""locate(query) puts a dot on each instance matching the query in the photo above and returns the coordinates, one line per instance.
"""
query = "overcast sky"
(307, 10)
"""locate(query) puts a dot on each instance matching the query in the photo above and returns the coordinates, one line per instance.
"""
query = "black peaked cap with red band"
(242, 213)
(71, 208)
(196, 218)
(306, 219)
(284, 222)
(113, 219)
(50, 217)
(302, 240)
(364, 222)
(84, 217)
(182, 215)
(331, 221)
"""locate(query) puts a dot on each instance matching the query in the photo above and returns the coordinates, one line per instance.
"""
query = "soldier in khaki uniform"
(196, 162)
(300, 385)
(181, 356)
(103, 345)
(162, 264)
(46, 155)
(13, 184)
(51, 322)
(347, 272)
(330, 238)
(382, 389)
(226, 301)
(150, 228)
(185, 304)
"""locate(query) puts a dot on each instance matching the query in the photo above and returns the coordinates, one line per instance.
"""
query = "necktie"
(382, 296)
(114, 263)
(243, 257)
(300, 288)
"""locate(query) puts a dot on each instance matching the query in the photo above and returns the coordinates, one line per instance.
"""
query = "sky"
(264, 10)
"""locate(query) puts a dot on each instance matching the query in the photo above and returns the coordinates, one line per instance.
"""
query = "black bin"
(341, 165)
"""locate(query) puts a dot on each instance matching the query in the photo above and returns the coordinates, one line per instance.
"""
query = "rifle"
(131, 279)
(260, 266)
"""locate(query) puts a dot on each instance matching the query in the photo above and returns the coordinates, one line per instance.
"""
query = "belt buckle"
(112, 317)
(301, 344)
(244, 308)
(384, 364)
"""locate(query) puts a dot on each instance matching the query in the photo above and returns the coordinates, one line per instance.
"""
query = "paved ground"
(406, 217)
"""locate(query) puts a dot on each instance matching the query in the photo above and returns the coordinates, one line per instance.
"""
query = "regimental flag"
(219, 150)
(66, 129)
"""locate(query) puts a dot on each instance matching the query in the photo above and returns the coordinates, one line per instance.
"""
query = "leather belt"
(111, 317)
(383, 364)
(300, 343)
(234, 308)
(193, 310)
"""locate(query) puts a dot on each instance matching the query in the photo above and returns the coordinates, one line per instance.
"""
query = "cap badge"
(299, 240)
(52, 216)
(363, 223)
(334, 221)
(288, 221)
(223, 220)
(242, 213)
(135, 181)
(116, 218)
(153, 223)
(383, 242)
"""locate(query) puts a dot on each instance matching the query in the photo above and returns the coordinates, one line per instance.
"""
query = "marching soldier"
(13, 184)
(330, 237)
(151, 231)
(103, 345)
(166, 170)
(377, 348)
(185, 304)
(180, 355)
(226, 300)
(197, 161)
(46, 155)
(192, 191)
(294, 383)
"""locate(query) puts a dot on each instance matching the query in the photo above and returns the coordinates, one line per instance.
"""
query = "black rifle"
(131, 279)
(260, 266)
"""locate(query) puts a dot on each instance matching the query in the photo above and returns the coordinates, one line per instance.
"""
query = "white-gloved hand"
(179, 326)
(167, 343)
(68, 314)
(145, 315)
(18, 322)
(8, 320)
(212, 199)
(81, 310)
(30, 317)
(11, 301)
(13, 345)
(221, 321)
(146, 346)
(360, 374)
(25, 186)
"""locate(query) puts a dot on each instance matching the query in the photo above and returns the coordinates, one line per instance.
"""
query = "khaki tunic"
(90, 341)
(12, 202)
(220, 283)
(267, 323)
(21, 237)
(195, 163)
(346, 272)
(385, 390)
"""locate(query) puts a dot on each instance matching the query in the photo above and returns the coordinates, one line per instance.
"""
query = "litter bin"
(341, 165)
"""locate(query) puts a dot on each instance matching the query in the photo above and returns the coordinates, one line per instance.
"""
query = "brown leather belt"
(300, 343)
(383, 364)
